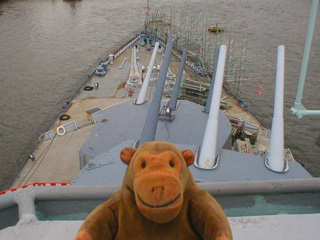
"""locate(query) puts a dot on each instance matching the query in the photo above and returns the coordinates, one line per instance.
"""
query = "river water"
(46, 47)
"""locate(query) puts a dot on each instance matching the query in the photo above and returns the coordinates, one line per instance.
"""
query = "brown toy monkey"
(158, 200)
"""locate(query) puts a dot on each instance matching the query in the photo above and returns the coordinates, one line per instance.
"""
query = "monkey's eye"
(171, 164)
(143, 165)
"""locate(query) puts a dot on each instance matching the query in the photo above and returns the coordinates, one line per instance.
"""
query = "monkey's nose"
(157, 192)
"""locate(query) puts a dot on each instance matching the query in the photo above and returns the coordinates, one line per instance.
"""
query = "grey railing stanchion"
(25, 200)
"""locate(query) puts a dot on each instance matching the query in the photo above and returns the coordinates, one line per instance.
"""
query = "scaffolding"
(190, 30)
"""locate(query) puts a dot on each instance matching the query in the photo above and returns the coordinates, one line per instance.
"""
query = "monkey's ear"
(126, 154)
(188, 156)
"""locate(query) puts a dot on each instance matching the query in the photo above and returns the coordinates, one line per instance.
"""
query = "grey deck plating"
(124, 126)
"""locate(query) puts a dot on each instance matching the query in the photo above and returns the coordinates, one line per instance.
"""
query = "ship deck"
(57, 160)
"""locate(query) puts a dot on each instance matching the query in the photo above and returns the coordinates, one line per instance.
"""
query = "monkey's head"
(158, 175)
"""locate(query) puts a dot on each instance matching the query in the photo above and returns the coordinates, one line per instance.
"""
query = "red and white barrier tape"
(44, 184)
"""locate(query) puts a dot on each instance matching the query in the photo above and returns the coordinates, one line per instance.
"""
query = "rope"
(43, 154)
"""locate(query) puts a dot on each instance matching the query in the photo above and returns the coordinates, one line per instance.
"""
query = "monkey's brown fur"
(158, 200)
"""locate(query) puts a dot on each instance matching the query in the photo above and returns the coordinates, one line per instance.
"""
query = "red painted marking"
(34, 185)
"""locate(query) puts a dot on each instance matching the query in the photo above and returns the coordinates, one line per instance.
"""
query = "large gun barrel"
(174, 97)
(150, 126)
(208, 152)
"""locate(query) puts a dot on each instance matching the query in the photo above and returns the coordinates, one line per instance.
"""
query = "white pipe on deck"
(207, 159)
(143, 92)
(276, 156)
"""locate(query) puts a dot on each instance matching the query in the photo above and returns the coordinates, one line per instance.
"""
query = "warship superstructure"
(133, 97)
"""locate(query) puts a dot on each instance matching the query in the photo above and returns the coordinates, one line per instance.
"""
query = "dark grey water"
(46, 47)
